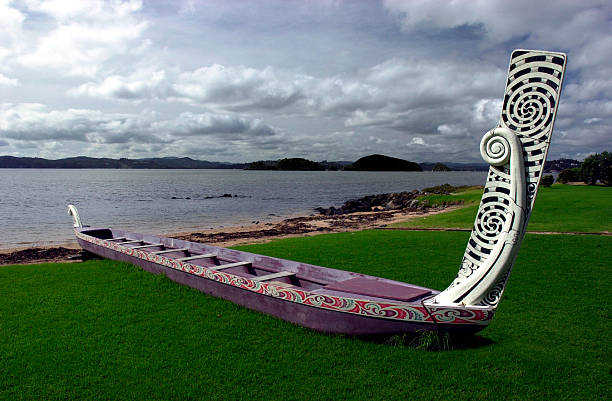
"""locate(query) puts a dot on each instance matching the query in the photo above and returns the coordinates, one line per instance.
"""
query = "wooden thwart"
(146, 246)
(193, 257)
(230, 265)
(273, 276)
(170, 250)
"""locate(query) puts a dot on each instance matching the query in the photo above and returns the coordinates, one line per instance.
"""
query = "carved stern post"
(516, 151)
(72, 211)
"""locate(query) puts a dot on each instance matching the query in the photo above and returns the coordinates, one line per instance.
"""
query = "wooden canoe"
(336, 301)
(316, 297)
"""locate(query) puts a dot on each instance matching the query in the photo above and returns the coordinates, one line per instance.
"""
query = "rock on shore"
(36, 254)
(380, 202)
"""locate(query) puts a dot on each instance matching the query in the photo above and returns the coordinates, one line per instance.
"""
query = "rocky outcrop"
(389, 201)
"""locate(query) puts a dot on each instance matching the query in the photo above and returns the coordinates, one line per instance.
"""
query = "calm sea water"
(33, 202)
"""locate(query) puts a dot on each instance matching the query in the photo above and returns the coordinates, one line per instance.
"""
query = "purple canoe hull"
(314, 307)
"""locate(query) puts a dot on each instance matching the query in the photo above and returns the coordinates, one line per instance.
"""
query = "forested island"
(383, 163)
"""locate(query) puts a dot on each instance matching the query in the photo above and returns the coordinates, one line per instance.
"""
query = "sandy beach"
(231, 236)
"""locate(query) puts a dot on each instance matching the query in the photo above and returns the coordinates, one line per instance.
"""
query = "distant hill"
(560, 165)
(299, 164)
(292, 164)
(92, 162)
(262, 165)
(383, 163)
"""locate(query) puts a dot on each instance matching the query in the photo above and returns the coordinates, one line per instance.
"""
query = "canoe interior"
(315, 279)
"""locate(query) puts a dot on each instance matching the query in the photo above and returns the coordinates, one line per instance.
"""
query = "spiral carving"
(534, 83)
(530, 111)
(490, 222)
(493, 297)
(516, 151)
(494, 148)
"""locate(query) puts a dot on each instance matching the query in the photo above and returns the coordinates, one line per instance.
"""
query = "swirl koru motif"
(490, 221)
(453, 315)
(495, 149)
(532, 188)
(494, 295)
(492, 216)
(532, 92)
(529, 108)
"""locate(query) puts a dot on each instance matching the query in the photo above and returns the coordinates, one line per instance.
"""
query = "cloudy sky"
(237, 81)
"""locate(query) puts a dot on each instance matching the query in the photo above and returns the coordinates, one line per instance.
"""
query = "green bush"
(441, 167)
(446, 189)
(547, 180)
(597, 167)
(569, 175)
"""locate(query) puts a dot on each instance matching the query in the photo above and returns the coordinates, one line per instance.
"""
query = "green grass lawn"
(466, 196)
(560, 208)
(107, 330)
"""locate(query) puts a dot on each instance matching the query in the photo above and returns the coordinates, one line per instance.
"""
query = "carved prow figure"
(516, 151)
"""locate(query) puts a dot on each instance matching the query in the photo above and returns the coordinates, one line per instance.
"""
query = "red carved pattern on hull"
(377, 309)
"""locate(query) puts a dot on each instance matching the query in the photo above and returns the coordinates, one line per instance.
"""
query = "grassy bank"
(560, 208)
(106, 330)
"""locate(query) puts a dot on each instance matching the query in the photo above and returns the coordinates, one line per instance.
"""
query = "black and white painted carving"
(516, 151)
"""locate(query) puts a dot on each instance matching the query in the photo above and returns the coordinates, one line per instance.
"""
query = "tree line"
(595, 168)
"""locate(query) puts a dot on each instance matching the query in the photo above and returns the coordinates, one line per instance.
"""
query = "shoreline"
(299, 226)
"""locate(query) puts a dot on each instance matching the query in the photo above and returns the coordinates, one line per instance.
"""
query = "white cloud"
(215, 86)
(36, 122)
(86, 36)
(96, 10)
(500, 21)
(149, 83)
(11, 21)
(417, 140)
(397, 86)
(487, 111)
(4, 80)
(226, 126)
(376, 96)
(33, 121)
(237, 88)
